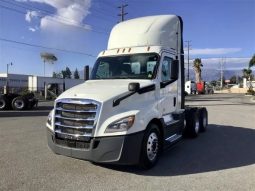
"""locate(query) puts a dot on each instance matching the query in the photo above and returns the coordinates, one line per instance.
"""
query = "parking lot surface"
(223, 158)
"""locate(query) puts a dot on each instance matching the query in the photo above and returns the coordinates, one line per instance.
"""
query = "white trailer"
(133, 105)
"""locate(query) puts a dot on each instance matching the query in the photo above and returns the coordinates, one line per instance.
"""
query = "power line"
(122, 12)
(103, 13)
(100, 11)
(28, 6)
(55, 20)
(107, 3)
(45, 47)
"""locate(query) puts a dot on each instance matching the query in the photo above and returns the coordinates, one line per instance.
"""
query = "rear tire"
(19, 103)
(151, 147)
(203, 119)
(3, 103)
(191, 129)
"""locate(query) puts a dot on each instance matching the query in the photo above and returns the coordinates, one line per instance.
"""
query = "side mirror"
(133, 87)
(175, 69)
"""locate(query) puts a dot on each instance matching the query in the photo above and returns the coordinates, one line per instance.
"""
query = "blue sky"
(77, 30)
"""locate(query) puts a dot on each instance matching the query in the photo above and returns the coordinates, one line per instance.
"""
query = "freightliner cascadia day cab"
(132, 107)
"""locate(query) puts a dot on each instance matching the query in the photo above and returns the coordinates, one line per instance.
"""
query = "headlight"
(121, 125)
(49, 119)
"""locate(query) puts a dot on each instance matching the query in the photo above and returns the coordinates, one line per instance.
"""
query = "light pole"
(7, 78)
(44, 68)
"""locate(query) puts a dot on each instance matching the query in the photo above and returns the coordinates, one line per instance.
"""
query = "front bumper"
(116, 149)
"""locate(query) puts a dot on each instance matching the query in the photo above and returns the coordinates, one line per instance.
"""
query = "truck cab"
(190, 87)
(133, 104)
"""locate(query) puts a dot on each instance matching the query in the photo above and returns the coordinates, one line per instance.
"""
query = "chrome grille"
(75, 119)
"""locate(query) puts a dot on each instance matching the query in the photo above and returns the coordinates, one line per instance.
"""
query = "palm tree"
(197, 64)
(49, 58)
(247, 73)
(252, 61)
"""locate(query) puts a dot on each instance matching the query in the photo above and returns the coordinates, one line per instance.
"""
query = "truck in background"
(200, 87)
(190, 87)
(204, 88)
(17, 101)
(133, 105)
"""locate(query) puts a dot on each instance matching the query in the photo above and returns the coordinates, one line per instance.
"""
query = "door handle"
(174, 101)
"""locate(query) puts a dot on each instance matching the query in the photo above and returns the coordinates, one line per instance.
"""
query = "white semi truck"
(132, 107)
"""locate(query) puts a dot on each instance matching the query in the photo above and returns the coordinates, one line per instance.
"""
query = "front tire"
(151, 147)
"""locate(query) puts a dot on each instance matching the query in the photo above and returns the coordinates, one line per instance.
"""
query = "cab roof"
(158, 30)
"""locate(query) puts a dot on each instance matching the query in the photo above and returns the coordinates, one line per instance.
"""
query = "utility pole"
(222, 63)
(188, 46)
(44, 68)
(122, 12)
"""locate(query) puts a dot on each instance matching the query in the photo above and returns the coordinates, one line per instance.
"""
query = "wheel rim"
(2, 104)
(197, 126)
(19, 104)
(152, 146)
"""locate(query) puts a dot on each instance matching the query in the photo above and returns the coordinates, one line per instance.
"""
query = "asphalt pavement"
(223, 158)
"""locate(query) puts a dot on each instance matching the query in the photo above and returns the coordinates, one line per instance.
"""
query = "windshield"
(135, 66)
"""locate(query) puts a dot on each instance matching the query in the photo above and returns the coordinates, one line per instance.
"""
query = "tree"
(63, 73)
(48, 58)
(251, 64)
(68, 73)
(56, 75)
(76, 74)
(197, 64)
(252, 61)
(247, 73)
(213, 82)
(233, 80)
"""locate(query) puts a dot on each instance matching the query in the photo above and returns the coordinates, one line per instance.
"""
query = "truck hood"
(101, 90)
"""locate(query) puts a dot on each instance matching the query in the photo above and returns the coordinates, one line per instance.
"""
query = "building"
(20, 82)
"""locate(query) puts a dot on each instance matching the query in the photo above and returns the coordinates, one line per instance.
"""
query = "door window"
(166, 69)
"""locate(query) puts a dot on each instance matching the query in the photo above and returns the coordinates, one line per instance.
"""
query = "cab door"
(168, 94)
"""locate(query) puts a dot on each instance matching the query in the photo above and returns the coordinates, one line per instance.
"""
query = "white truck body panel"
(147, 31)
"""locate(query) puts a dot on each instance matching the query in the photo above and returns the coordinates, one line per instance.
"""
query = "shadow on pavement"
(39, 111)
(221, 147)
(218, 104)
(203, 100)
